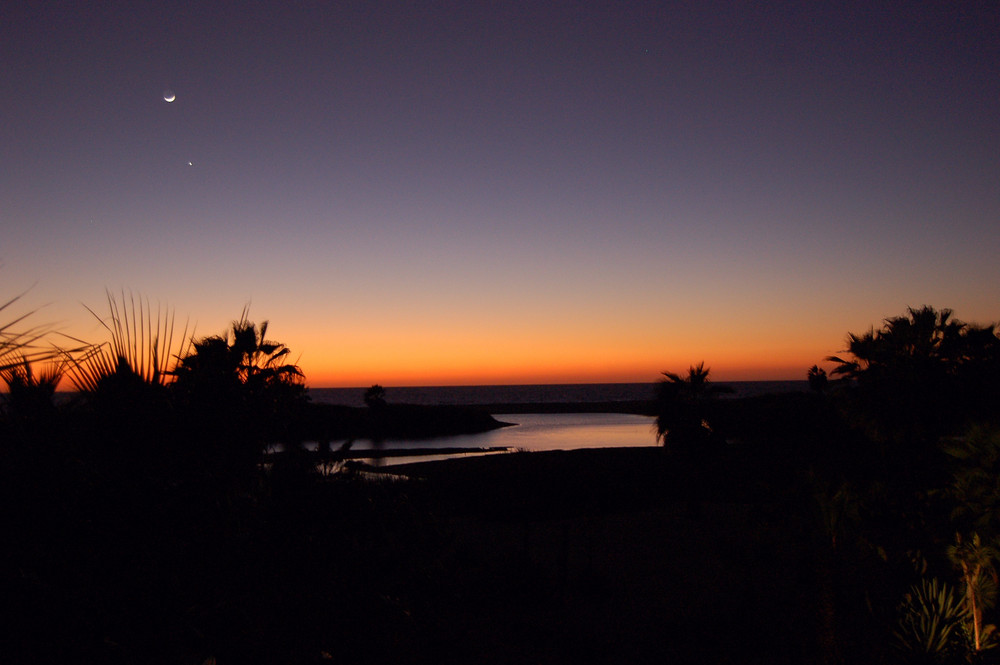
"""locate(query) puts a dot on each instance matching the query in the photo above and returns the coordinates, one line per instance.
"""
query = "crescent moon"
(169, 96)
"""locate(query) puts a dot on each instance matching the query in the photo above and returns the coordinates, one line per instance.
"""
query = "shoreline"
(633, 407)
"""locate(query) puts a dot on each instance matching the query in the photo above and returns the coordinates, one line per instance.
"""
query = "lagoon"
(533, 432)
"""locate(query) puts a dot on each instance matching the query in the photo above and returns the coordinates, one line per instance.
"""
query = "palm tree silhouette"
(683, 420)
(241, 359)
(817, 379)
(921, 340)
(238, 390)
(920, 374)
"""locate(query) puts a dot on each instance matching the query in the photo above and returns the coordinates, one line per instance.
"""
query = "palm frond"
(24, 345)
(139, 342)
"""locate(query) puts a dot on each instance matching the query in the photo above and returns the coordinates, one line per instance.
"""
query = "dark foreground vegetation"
(145, 522)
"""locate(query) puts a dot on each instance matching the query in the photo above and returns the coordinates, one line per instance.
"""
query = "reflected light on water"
(571, 431)
(529, 432)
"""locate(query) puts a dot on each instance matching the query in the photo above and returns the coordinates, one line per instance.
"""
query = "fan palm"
(142, 348)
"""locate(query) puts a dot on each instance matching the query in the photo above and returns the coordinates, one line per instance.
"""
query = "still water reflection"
(568, 431)
(536, 432)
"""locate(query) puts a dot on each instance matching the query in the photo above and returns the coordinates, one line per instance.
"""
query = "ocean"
(534, 394)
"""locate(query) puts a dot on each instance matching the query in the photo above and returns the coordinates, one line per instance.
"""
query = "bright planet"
(537, 201)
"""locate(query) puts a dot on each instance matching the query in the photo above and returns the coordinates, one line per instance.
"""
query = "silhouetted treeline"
(145, 521)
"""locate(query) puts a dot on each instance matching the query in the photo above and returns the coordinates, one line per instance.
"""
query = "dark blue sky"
(476, 192)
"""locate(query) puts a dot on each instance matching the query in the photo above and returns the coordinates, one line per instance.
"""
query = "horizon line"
(558, 383)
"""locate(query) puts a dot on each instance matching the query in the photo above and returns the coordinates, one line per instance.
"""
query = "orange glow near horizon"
(423, 378)
(491, 359)
(468, 346)
(496, 372)
(530, 347)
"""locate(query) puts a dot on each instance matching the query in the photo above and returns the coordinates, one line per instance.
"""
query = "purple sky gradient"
(639, 186)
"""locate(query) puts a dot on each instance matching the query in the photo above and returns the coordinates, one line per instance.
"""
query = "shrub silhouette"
(29, 393)
(375, 397)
